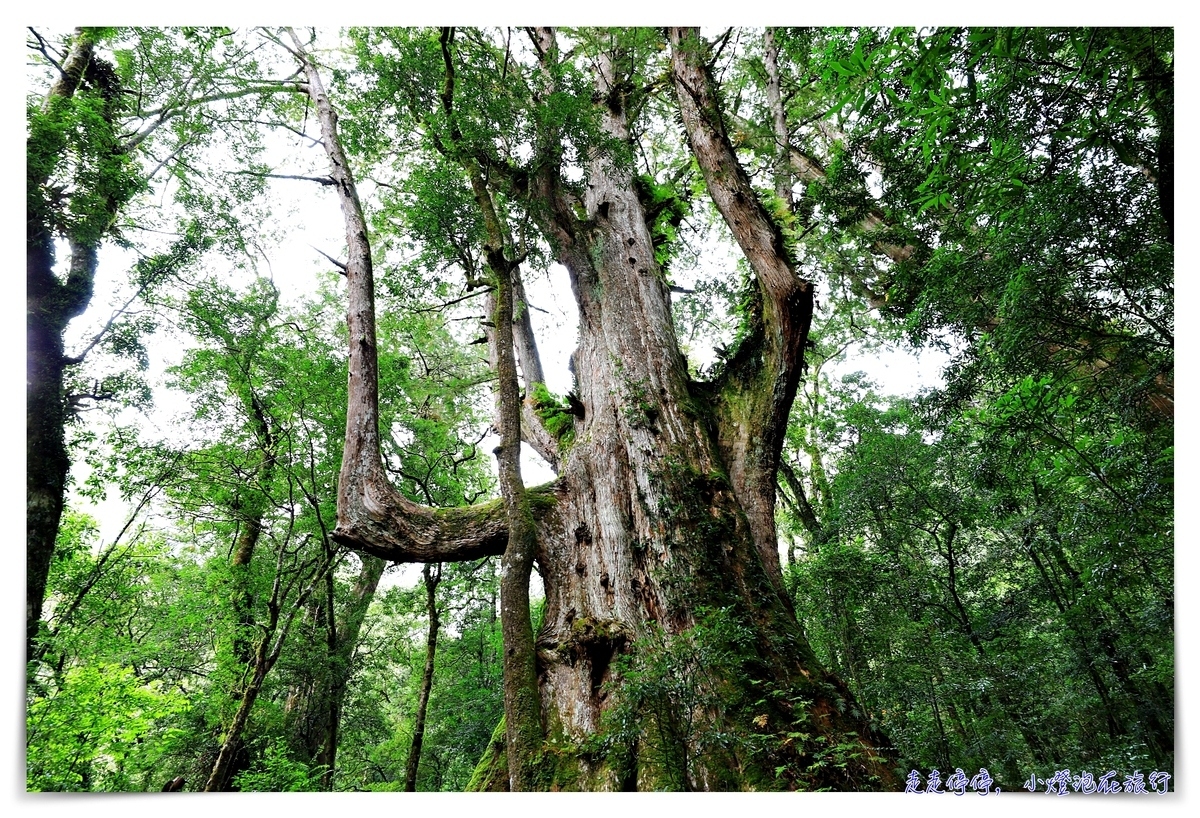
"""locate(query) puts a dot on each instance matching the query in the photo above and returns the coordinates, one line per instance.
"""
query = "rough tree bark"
(658, 533)
(521, 705)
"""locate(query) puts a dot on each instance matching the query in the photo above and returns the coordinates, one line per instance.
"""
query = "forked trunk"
(668, 658)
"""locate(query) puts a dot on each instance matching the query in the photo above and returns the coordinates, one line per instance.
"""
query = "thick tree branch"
(559, 219)
(781, 167)
(760, 238)
(373, 517)
(760, 384)
(71, 74)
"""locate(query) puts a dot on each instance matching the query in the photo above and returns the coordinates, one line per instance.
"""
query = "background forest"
(987, 564)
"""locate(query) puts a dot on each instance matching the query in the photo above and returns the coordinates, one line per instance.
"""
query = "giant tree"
(669, 656)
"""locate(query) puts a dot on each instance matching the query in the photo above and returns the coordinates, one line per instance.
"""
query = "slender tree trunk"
(943, 745)
(266, 654)
(783, 139)
(1042, 752)
(803, 509)
(52, 303)
(316, 711)
(1084, 654)
(1083, 612)
(256, 504)
(221, 777)
(522, 708)
(431, 579)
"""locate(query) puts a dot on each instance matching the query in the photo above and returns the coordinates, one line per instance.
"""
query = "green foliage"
(276, 771)
(981, 559)
(79, 176)
(989, 566)
(665, 208)
(555, 413)
(101, 731)
(267, 391)
(1037, 162)
(663, 683)
(466, 700)
(974, 572)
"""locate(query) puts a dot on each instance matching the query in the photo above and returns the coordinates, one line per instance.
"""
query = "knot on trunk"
(593, 641)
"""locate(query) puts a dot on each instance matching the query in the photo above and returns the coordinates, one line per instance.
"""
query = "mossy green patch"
(555, 414)
(491, 774)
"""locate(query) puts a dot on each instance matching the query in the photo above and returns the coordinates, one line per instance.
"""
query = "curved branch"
(759, 386)
(373, 517)
(44, 49)
(168, 112)
(759, 236)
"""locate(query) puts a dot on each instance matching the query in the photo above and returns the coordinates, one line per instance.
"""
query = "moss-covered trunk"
(46, 462)
(668, 658)
(54, 300)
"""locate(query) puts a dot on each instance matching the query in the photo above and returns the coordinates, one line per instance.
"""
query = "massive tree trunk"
(668, 657)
